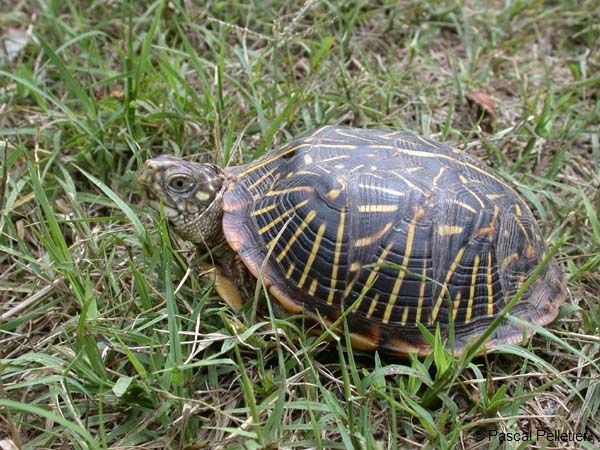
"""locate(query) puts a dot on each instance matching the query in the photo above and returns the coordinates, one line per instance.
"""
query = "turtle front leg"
(224, 285)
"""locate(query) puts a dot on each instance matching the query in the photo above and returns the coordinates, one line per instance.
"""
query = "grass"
(108, 340)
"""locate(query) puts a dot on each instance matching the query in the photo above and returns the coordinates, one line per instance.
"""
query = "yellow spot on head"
(463, 180)
(202, 196)
(308, 159)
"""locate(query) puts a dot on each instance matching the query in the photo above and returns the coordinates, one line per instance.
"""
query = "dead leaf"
(484, 101)
(12, 42)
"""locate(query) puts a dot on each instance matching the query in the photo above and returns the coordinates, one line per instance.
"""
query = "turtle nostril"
(149, 165)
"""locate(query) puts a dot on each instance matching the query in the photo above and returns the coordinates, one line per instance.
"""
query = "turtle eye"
(180, 184)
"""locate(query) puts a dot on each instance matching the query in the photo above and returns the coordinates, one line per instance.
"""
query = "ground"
(108, 340)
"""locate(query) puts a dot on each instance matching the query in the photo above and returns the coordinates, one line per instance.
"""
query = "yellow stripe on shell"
(368, 240)
(262, 178)
(456, 304)
(438, 304)
(447, 230)
(374, 302)
(260, 164)
(372, 276)
(490, 287)
(472, 289)
(382, 189)
(313, 287)
(309, 218)
(266, 209)
(476, 197)
(377, 208)
(282, 217)
(339, 238)
(489, 230)
(405, 181)
(495, 196)
(424, 154)
(289, 190)
(410, 235)
(313, 254)
(463, 205)
(436, 179)
(334, 158)
(290, 270)
(404, 316)
(508, 260)
(421, 292)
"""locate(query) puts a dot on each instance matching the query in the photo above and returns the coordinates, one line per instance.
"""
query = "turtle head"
(190, 194)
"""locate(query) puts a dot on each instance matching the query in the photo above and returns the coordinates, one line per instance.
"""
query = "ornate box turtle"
(397, 228)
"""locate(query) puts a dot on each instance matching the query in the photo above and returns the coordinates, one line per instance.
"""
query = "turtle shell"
(397, 229)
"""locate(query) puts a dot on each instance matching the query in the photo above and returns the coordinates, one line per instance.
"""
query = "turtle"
(388, 228)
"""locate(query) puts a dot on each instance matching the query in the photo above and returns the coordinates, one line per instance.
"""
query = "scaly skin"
(191, 195)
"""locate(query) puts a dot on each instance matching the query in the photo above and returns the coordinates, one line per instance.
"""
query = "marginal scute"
(393, 229)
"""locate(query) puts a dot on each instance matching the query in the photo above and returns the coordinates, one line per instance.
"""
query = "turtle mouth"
(148, 194)
(144, 186)
(156, 202)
